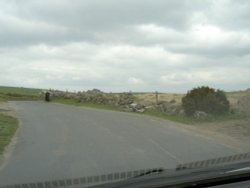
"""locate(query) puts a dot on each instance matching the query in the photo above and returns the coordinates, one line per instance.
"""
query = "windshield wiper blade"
(214, 162)
(150, 172)
(213, 176)
(215, 171)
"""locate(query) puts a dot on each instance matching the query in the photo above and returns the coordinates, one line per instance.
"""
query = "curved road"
(57, 141)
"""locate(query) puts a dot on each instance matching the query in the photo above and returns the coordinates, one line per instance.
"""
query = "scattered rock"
(124, 100)
(201, 115)
(170, 107)
(136, 107)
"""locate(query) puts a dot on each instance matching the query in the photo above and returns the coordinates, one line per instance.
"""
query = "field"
(18, 93)
(150, 98)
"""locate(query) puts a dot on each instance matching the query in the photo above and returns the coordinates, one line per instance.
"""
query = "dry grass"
(233, 97)
(150, 98)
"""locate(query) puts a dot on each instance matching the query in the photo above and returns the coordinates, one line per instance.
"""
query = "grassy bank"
(8, 127)
(18, 93)
(191, 120)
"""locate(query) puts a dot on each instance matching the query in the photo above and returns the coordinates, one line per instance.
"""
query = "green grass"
(8, 127)
(172, 117)
(191, 120)
(18, 93)
(20, 90)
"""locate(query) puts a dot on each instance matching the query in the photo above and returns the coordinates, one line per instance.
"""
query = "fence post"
(248, 102)
(156, 98)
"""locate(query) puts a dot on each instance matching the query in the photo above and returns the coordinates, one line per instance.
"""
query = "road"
(57, 141)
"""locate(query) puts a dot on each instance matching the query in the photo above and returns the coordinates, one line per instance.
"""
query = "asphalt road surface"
(56, 141)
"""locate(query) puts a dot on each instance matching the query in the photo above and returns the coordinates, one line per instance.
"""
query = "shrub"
(205, 99)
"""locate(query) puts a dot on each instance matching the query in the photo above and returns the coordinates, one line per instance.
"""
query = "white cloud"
(135, 81)
(209, 33)
(152, 31)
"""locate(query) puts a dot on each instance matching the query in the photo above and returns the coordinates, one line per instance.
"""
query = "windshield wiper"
(212, 169)
(217, 171)
(214, 162)
(213, 176)
(150, 172)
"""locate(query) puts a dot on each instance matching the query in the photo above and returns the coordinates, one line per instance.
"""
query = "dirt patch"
(234, 132)
(6, 109)
(239, 129)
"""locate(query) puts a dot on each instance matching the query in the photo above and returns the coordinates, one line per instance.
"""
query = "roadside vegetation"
(208, 104)
(193, 120)
(8, 127)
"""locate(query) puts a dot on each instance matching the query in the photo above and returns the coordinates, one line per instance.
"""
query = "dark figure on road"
(47, 96)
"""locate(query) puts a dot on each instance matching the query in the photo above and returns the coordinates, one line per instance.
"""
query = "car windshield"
(91, 88)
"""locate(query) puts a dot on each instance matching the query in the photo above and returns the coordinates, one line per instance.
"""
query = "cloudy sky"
(123, 45)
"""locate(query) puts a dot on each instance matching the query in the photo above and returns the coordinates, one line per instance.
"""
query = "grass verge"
(191, 120)
(172, 117)
(8, 127)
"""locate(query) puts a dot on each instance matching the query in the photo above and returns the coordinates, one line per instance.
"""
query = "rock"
(170, 107)
(162, 106)
(181, 112)
(141, 110)
(137, 107)
(133, 105)
(201, 115)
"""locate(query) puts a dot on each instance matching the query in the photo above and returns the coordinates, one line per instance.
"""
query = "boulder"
(137, 107)
(201, 115)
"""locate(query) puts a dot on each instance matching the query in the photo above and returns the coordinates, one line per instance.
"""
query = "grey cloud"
(110, 13)
(113, 45)
(27, 22)
(233, 15)
(56, 22)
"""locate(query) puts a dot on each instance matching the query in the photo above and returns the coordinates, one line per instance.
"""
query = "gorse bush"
(205, 99)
